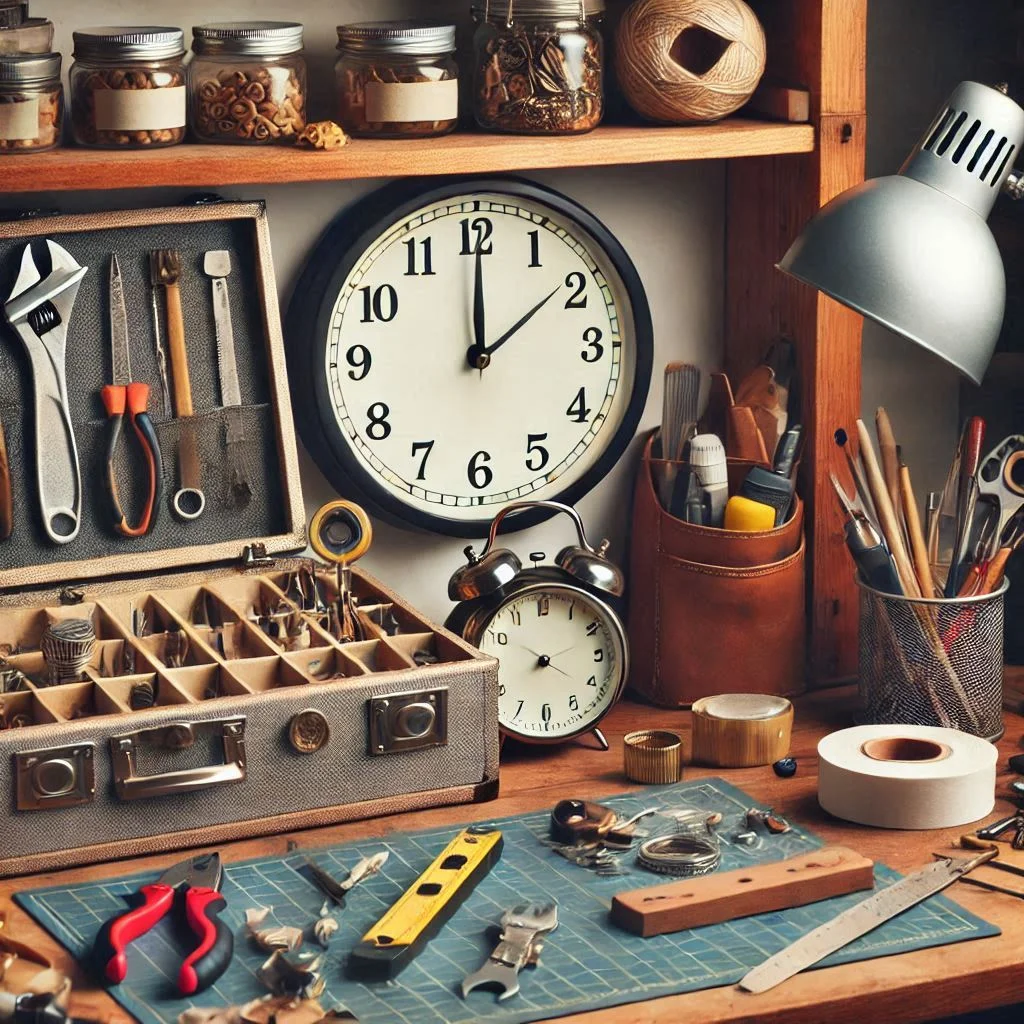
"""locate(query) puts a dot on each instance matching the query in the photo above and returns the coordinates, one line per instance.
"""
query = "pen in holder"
(932, 662)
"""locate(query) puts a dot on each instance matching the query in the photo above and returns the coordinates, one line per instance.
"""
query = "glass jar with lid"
(397, 79)
(128, 87)
(538, 66)
(31, 102)
(21, 34)
(247, 82)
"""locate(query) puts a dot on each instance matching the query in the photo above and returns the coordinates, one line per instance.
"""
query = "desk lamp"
(913, 251)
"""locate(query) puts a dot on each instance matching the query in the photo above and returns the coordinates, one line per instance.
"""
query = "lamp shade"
(913, 251)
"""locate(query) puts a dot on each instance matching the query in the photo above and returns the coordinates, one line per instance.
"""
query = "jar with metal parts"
(31, 102)
(538, 66)
(247, 82)
(397, 80)
(128, 87)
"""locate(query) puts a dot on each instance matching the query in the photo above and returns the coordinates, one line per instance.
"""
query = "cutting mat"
(586, 963)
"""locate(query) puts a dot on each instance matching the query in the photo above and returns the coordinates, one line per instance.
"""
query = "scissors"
(1000, 480)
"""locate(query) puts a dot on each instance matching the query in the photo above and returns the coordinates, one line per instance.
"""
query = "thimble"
(67, 647)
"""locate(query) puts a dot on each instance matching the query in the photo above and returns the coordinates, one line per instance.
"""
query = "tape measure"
(421, 911)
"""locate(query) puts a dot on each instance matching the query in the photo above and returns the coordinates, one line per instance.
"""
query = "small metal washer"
(684, 854)
(308, 731)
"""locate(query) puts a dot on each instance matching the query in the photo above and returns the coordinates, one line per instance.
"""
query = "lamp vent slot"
(998, 176)
(993, 158)
(981, 149)
(940, 124)
(947, 139)
(965, 142)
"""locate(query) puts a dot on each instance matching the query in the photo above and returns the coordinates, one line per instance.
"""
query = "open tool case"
(245, 737)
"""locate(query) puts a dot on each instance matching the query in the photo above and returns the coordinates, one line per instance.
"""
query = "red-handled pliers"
(126, 397)
(199, 880)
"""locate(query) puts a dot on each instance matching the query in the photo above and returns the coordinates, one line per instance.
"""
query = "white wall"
(669, 218)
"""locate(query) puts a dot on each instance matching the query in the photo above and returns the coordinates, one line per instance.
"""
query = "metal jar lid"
(417, 39)
(525, 10)
(13, 13)
(147, 42)
(248, 38)
(29, 68)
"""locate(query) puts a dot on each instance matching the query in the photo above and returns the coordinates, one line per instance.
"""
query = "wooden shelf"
(205, 166)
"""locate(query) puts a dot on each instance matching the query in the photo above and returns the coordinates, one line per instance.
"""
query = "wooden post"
(819, 44)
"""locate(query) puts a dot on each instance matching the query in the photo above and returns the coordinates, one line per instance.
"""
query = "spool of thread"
(653, 757)
(906, 776)
(741, 730)
(67, 647)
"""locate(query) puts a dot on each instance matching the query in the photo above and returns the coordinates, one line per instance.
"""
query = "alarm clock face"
(562, 661)
(474, 346)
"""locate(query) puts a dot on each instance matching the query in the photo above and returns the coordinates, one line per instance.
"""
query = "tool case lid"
(266, 453)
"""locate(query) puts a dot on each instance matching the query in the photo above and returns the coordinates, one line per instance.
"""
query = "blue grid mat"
(586, 963)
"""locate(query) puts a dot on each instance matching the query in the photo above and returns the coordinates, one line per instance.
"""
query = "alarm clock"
(456, 347)
(556, 631)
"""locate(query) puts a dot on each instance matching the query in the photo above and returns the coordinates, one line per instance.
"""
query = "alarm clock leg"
(601, 741)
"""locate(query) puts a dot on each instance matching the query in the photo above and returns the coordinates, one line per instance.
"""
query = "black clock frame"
(307, 324)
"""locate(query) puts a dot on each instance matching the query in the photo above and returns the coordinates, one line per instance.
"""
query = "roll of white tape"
(906, 776)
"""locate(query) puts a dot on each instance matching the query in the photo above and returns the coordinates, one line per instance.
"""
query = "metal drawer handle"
(131, 786)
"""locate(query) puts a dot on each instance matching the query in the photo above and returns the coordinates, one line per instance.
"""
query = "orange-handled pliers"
(131, 398)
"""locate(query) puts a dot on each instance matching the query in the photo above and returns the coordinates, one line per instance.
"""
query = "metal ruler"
(860, 919)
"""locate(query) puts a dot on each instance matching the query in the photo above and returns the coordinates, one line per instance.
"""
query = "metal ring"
(686, 854)
(195, 496)
(358, 532)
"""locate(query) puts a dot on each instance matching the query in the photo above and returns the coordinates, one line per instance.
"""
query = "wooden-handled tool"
(189, 500)
(695, 902)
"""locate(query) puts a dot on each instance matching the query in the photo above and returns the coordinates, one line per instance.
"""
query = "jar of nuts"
(538, 66)
(31, 102)
(397, 79)
(128, 87)
(247, 82)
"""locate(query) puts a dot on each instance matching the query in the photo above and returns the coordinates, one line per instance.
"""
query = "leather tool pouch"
(713, 611)
(244, 730)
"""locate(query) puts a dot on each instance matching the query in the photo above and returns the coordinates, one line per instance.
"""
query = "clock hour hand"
(519, 324)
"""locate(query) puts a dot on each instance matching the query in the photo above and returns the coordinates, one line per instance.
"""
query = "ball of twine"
(663, 47)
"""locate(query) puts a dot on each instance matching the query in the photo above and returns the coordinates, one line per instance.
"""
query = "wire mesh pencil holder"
(932, 662)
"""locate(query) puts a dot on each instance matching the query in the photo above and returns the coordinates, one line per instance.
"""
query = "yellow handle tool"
(423, 909)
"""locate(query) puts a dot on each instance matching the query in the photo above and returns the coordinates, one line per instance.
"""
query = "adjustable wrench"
(523, 930)
(39, 309)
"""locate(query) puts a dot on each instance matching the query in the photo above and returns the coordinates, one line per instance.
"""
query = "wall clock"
(457, 347)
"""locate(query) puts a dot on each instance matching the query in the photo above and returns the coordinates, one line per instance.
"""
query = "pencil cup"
(932, 662)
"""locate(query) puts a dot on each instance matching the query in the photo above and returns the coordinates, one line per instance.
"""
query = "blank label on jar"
(19, 120)
(394, 102)
(140, 110)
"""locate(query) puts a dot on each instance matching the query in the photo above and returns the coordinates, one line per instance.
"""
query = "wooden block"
(780, 102)
(694, 902)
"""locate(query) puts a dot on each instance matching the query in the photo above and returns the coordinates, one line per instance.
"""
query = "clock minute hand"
(519, 324)
(477, 355)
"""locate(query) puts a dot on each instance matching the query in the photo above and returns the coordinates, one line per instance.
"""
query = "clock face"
(478, 347)
(561, 660)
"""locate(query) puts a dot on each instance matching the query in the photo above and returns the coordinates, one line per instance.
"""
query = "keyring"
(684, 855)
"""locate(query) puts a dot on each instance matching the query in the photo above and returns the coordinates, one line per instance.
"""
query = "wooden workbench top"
(919, 986)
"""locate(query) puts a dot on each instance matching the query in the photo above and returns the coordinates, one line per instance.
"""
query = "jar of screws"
(31, 102)
(397, 80)
(128, 87)
(247, 83)
(538, 66)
